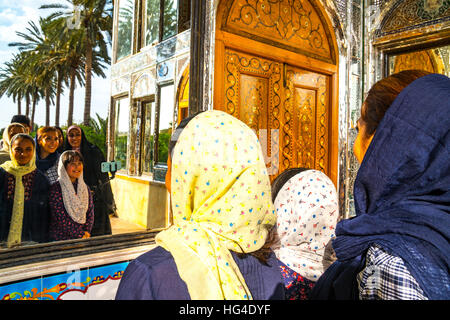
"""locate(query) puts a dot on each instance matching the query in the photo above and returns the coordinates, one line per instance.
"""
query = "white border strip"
(35, 270)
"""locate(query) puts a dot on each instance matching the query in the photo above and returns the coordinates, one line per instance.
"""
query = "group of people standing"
(51, 186)
(236, 235)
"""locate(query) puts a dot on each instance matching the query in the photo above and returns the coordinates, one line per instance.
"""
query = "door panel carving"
(252, 86)
(306, 120)
(253, 98)
(276, 70)
(254, 94)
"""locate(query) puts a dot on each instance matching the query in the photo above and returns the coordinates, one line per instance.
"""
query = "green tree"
(96, 132)
(37, 47)
(9, 81)
(95, 24)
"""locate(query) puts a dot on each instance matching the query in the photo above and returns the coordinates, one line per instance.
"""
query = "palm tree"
(97, 21)
(18, 80)
(68, 60)
(36, 49)
(8, 82)
(96, 25)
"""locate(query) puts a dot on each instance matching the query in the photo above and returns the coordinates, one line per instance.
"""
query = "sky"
(14, 16)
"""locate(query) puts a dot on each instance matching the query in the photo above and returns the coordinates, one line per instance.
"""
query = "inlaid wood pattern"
(306, 120)
(296, 25)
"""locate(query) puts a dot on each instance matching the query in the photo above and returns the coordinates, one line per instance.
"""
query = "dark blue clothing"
(36, 216)
(154, 276)
(402, 194)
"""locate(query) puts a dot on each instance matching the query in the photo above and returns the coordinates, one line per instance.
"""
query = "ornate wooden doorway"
(276, 70)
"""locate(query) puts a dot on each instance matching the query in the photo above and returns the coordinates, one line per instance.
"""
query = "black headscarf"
(402, 192)
(98, 182)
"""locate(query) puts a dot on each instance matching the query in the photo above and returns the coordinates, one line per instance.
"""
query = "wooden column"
(196, 68)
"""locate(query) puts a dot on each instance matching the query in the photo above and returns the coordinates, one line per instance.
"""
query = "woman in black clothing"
(24, 192)
(97, 180)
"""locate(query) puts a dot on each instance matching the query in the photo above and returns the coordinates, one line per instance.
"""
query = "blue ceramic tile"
(103, 272)
(56, 286)
(29, 289)
(105, 281)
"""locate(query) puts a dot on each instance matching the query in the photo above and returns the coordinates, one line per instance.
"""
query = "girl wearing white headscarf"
(71, 204)
(307, 211)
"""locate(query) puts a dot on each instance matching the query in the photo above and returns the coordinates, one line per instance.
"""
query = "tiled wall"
(98, 283)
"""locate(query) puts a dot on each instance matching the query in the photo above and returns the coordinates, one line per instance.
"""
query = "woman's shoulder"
(156, 265)
(155, 258)
(93, 150)
(153, 275)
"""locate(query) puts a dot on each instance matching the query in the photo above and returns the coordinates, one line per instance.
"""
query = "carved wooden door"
(287, 107)
(276, 70)
(252, 94)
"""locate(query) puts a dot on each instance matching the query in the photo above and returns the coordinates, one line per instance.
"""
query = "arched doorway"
(183, 96)
(276, 70)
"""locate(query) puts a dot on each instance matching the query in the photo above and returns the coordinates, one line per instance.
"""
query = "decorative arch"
(405, 15)
(297, 26)
(426, 60)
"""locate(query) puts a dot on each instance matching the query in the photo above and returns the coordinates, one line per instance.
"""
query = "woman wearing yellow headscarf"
(221, 205)
(24, 211)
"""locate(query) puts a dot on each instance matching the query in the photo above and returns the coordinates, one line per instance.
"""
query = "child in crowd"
(222, 214)
(71, 204)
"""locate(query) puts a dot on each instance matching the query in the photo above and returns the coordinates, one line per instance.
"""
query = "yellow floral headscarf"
(18, 171)
(221, 201)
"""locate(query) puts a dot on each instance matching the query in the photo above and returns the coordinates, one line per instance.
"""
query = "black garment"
(339, 281)
(98, 182)
(36, 216)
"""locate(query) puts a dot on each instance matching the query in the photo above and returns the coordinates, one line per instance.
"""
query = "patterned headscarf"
(221, 201)
(307, 212)
(75, 203)
(18, 171)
